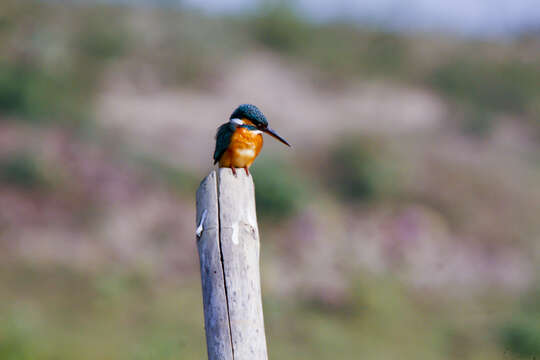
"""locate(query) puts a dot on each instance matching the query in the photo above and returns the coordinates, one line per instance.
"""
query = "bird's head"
(247, 114)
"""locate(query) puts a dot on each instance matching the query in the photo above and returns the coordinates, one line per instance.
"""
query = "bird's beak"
(274, 134)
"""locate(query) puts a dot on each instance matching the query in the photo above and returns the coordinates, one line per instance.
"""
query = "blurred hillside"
(402, 224)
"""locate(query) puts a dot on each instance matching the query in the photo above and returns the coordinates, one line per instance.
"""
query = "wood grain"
(230, 267)
(216, 315)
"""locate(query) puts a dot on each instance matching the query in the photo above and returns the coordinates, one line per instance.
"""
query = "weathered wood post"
(228, 244)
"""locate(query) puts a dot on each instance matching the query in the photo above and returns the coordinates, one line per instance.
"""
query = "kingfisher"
(239, 141)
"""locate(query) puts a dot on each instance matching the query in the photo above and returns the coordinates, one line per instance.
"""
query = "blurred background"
(403, 224)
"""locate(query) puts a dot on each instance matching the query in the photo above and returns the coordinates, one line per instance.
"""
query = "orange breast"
(244, 147)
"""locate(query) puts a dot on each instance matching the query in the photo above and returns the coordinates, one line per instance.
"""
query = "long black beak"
(274, 134)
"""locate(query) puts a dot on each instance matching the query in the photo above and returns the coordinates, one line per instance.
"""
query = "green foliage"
(477, 122)
(360, 53)
(278, 27)
(109, 315)
(188, 49)
(342, 50)
(384, 53)
(522, 337)
(23, 171)
(521, 334)
(35, 95)
(175, 177)
(102, 37)
(52, 73)
(507, 86)
(278, 191)
(338, 48)
(54, 313)
(356, 169)
(14, 342)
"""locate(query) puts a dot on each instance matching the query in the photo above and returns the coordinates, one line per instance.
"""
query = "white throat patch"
(240, 122)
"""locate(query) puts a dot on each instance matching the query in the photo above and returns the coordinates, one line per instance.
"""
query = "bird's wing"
(223, 139)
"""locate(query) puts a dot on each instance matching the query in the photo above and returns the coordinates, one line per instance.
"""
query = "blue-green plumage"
(250, 112)
(223, 139)
(244, 117)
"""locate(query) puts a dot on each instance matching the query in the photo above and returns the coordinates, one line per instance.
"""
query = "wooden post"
(229, 255)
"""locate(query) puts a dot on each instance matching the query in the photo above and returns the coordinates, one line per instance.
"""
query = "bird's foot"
(233, 171)
(247, 170)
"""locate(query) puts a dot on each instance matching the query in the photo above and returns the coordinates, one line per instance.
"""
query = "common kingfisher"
(239, 141)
